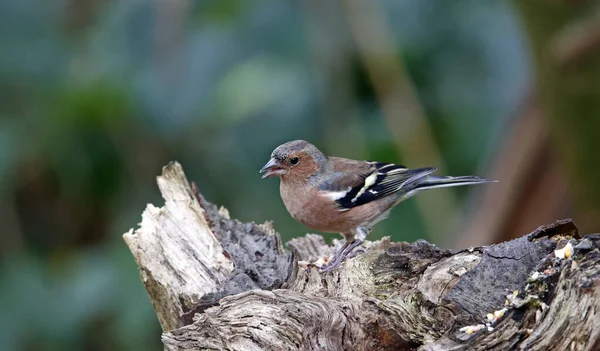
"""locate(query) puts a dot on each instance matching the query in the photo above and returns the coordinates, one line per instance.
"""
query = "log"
(220, 284)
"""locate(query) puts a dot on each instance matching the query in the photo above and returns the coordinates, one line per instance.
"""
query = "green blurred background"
(97, 95)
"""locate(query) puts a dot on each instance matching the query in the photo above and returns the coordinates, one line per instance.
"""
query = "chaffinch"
(339, 195)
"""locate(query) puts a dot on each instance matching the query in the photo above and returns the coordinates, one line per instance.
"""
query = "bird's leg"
(337, 256)
(363, 235)
(351, 247)
(352, 241)
(340, 255)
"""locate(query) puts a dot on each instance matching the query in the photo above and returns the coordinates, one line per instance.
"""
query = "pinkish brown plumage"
(334, 194)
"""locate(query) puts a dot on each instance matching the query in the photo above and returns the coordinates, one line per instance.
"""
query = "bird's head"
(296, 159)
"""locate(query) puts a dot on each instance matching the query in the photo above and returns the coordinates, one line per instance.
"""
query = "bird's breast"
(309, 207)
(298, 202)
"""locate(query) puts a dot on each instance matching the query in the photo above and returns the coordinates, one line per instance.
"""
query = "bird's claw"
(340, 256)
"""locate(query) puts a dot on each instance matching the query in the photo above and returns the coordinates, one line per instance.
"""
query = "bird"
(341, 195)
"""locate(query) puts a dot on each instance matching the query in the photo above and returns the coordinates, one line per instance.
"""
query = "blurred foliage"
(98, 95)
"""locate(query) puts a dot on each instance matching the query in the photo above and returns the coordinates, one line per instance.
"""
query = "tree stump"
(220, 284)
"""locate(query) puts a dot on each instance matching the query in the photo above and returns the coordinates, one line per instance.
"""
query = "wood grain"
(393, 296)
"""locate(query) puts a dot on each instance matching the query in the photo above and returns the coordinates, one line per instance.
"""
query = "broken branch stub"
(179, 256)
(517, 295)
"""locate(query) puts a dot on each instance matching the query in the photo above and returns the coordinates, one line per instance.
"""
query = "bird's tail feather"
(432, 182)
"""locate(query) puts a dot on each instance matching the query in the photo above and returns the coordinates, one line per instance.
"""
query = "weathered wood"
(393, 296)
(180, 258)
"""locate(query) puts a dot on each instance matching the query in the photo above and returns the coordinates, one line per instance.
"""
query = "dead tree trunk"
(219, 284)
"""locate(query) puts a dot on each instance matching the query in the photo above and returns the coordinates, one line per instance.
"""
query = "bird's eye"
(294, 160)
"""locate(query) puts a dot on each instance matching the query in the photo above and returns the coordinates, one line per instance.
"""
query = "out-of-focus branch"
(332, 57)
(566, 51)
(401, 107)
(12, 241)
(532, 189)
(534, 185)
(577, 41)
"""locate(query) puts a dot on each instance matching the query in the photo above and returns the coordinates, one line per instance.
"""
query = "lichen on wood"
(219, 284)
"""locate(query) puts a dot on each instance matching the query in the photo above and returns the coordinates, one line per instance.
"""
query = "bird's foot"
(356, 252)
(340, 256)
(331, 265)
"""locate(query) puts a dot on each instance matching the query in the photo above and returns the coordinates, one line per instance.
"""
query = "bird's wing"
(355, 183)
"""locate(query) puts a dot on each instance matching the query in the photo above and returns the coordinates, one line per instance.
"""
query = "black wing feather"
(388, 179)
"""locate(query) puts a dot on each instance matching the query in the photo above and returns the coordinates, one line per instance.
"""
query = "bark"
(219, 284)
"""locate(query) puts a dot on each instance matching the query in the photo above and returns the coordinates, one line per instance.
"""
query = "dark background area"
(97, 95)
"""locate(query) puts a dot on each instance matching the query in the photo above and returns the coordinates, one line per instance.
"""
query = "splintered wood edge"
(179, 257)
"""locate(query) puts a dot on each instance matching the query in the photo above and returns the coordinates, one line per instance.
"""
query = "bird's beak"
(271, 169)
